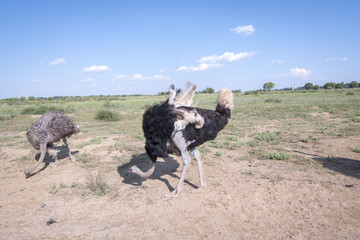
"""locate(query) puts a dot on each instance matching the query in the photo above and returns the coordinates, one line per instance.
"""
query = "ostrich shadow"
(62, 154)
(346, 166)
(168, 167)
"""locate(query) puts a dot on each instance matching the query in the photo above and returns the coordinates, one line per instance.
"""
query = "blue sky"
(81, 48)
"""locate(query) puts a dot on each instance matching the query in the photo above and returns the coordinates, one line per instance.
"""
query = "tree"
(316, 87)
(31, 98)
(268, 86)
(339, 85)
(22, 99)
(309, 86)
(353, 84)
(329, 85)
(208, 90)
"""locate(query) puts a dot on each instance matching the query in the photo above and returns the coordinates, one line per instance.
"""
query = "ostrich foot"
(72, 158)
(197, 190)
(56, 163)
(172, 194)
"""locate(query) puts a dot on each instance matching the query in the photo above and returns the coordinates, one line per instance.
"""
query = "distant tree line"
(332, 85)
(268, 86)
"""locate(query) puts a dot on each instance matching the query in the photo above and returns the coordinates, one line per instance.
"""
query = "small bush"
(107, 104)
(218, 154)
(267, 136)
(85, 160)
(40, 110)
(108, 116)
(97, 185)
(308, 139)
(355, 149)
(216, 144)
(279, 156)
(95, 140)
(272, 100)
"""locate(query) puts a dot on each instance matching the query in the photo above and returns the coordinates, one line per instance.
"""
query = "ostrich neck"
(142, 174)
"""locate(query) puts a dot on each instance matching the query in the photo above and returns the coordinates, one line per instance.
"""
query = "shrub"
(353, 84)
(329, 85)
(107, 104)
(272, 100)
(355, 149)
(39, 110)
(267, 136)
(268, 86)
(97, 185)
(309, 86)
(108, 115)
(279, 155)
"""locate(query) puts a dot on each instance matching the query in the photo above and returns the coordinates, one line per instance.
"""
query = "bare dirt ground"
(313, 195)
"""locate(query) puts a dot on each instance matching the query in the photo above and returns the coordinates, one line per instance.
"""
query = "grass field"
(285, 166)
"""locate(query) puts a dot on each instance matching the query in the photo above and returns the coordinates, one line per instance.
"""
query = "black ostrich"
(51, 127)
(175, 127)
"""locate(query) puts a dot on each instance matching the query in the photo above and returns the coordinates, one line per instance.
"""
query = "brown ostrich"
(51, 127)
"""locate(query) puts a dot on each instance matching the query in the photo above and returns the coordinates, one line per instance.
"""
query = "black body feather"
(158, 127)
(214, 122)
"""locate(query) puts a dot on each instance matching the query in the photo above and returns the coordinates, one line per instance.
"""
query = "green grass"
(355, 149)
(309, 139)
(216, 144)
(260, 123)
(41, 109)
(108, 115)
(279, 155)
(97, 185)
(96, 140)
(86, 160)
(267, 136)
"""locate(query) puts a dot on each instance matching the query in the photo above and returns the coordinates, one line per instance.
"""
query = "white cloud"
(101, 68)
(297, 72)
(330, 59)
(343, 59)
(336, 59)
(137, 76)
(245, 30)
(214, 61)
(200, 67)
(59, 61)
(226, 57)
(278, 61)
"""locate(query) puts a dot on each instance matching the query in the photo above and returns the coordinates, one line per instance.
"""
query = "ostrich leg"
(197, 157)
(53, 153)
(32, 168)
(180, 143)
(70, 156)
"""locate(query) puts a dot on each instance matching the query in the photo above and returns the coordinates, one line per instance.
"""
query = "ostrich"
(51, 127)
(176, 127)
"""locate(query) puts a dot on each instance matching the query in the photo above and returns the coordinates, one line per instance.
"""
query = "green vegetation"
(355, 149)
(108, 115)
(97, 185)
(268, 86)
(279, 155)
(267, 136)
(264, 125)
